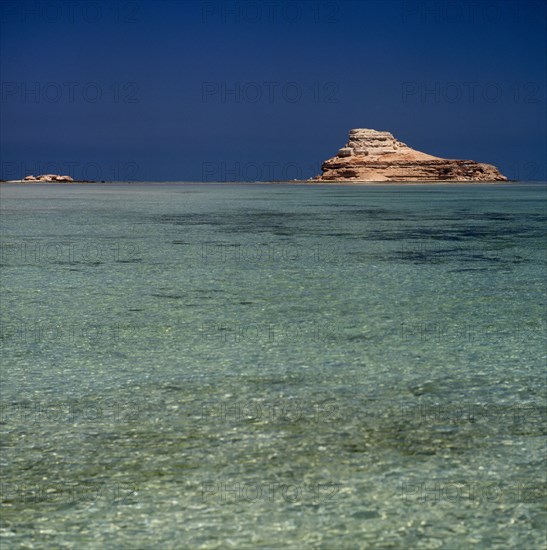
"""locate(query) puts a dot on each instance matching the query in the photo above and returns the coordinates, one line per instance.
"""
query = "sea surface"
(273, 366)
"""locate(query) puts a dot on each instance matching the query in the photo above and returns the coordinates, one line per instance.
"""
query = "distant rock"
(49, 178)
(371, 155)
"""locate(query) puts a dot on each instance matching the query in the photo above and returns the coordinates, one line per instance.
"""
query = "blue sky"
(250, 90)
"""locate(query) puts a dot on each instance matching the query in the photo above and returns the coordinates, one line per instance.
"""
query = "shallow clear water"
(273, 366)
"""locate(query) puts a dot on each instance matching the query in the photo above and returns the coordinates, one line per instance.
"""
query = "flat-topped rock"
(371, 155)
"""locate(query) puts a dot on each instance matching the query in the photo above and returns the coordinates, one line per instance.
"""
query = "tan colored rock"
(345, 152)
(46, 178)
(371, 155)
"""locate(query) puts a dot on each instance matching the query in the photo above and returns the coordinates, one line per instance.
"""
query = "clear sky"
(203, 91)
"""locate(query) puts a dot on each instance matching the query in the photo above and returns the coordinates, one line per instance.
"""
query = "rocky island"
(371, 155)
(47, 178)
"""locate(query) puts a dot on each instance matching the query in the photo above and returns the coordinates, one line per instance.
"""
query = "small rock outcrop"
(49, 178)
(371, 155)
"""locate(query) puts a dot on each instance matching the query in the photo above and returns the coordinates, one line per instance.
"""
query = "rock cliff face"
(371, 155)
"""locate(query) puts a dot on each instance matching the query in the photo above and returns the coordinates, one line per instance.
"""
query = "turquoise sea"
(273, 366)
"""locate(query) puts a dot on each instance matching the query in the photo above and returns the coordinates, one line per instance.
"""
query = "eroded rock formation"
(49, 178)
(371, 155)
